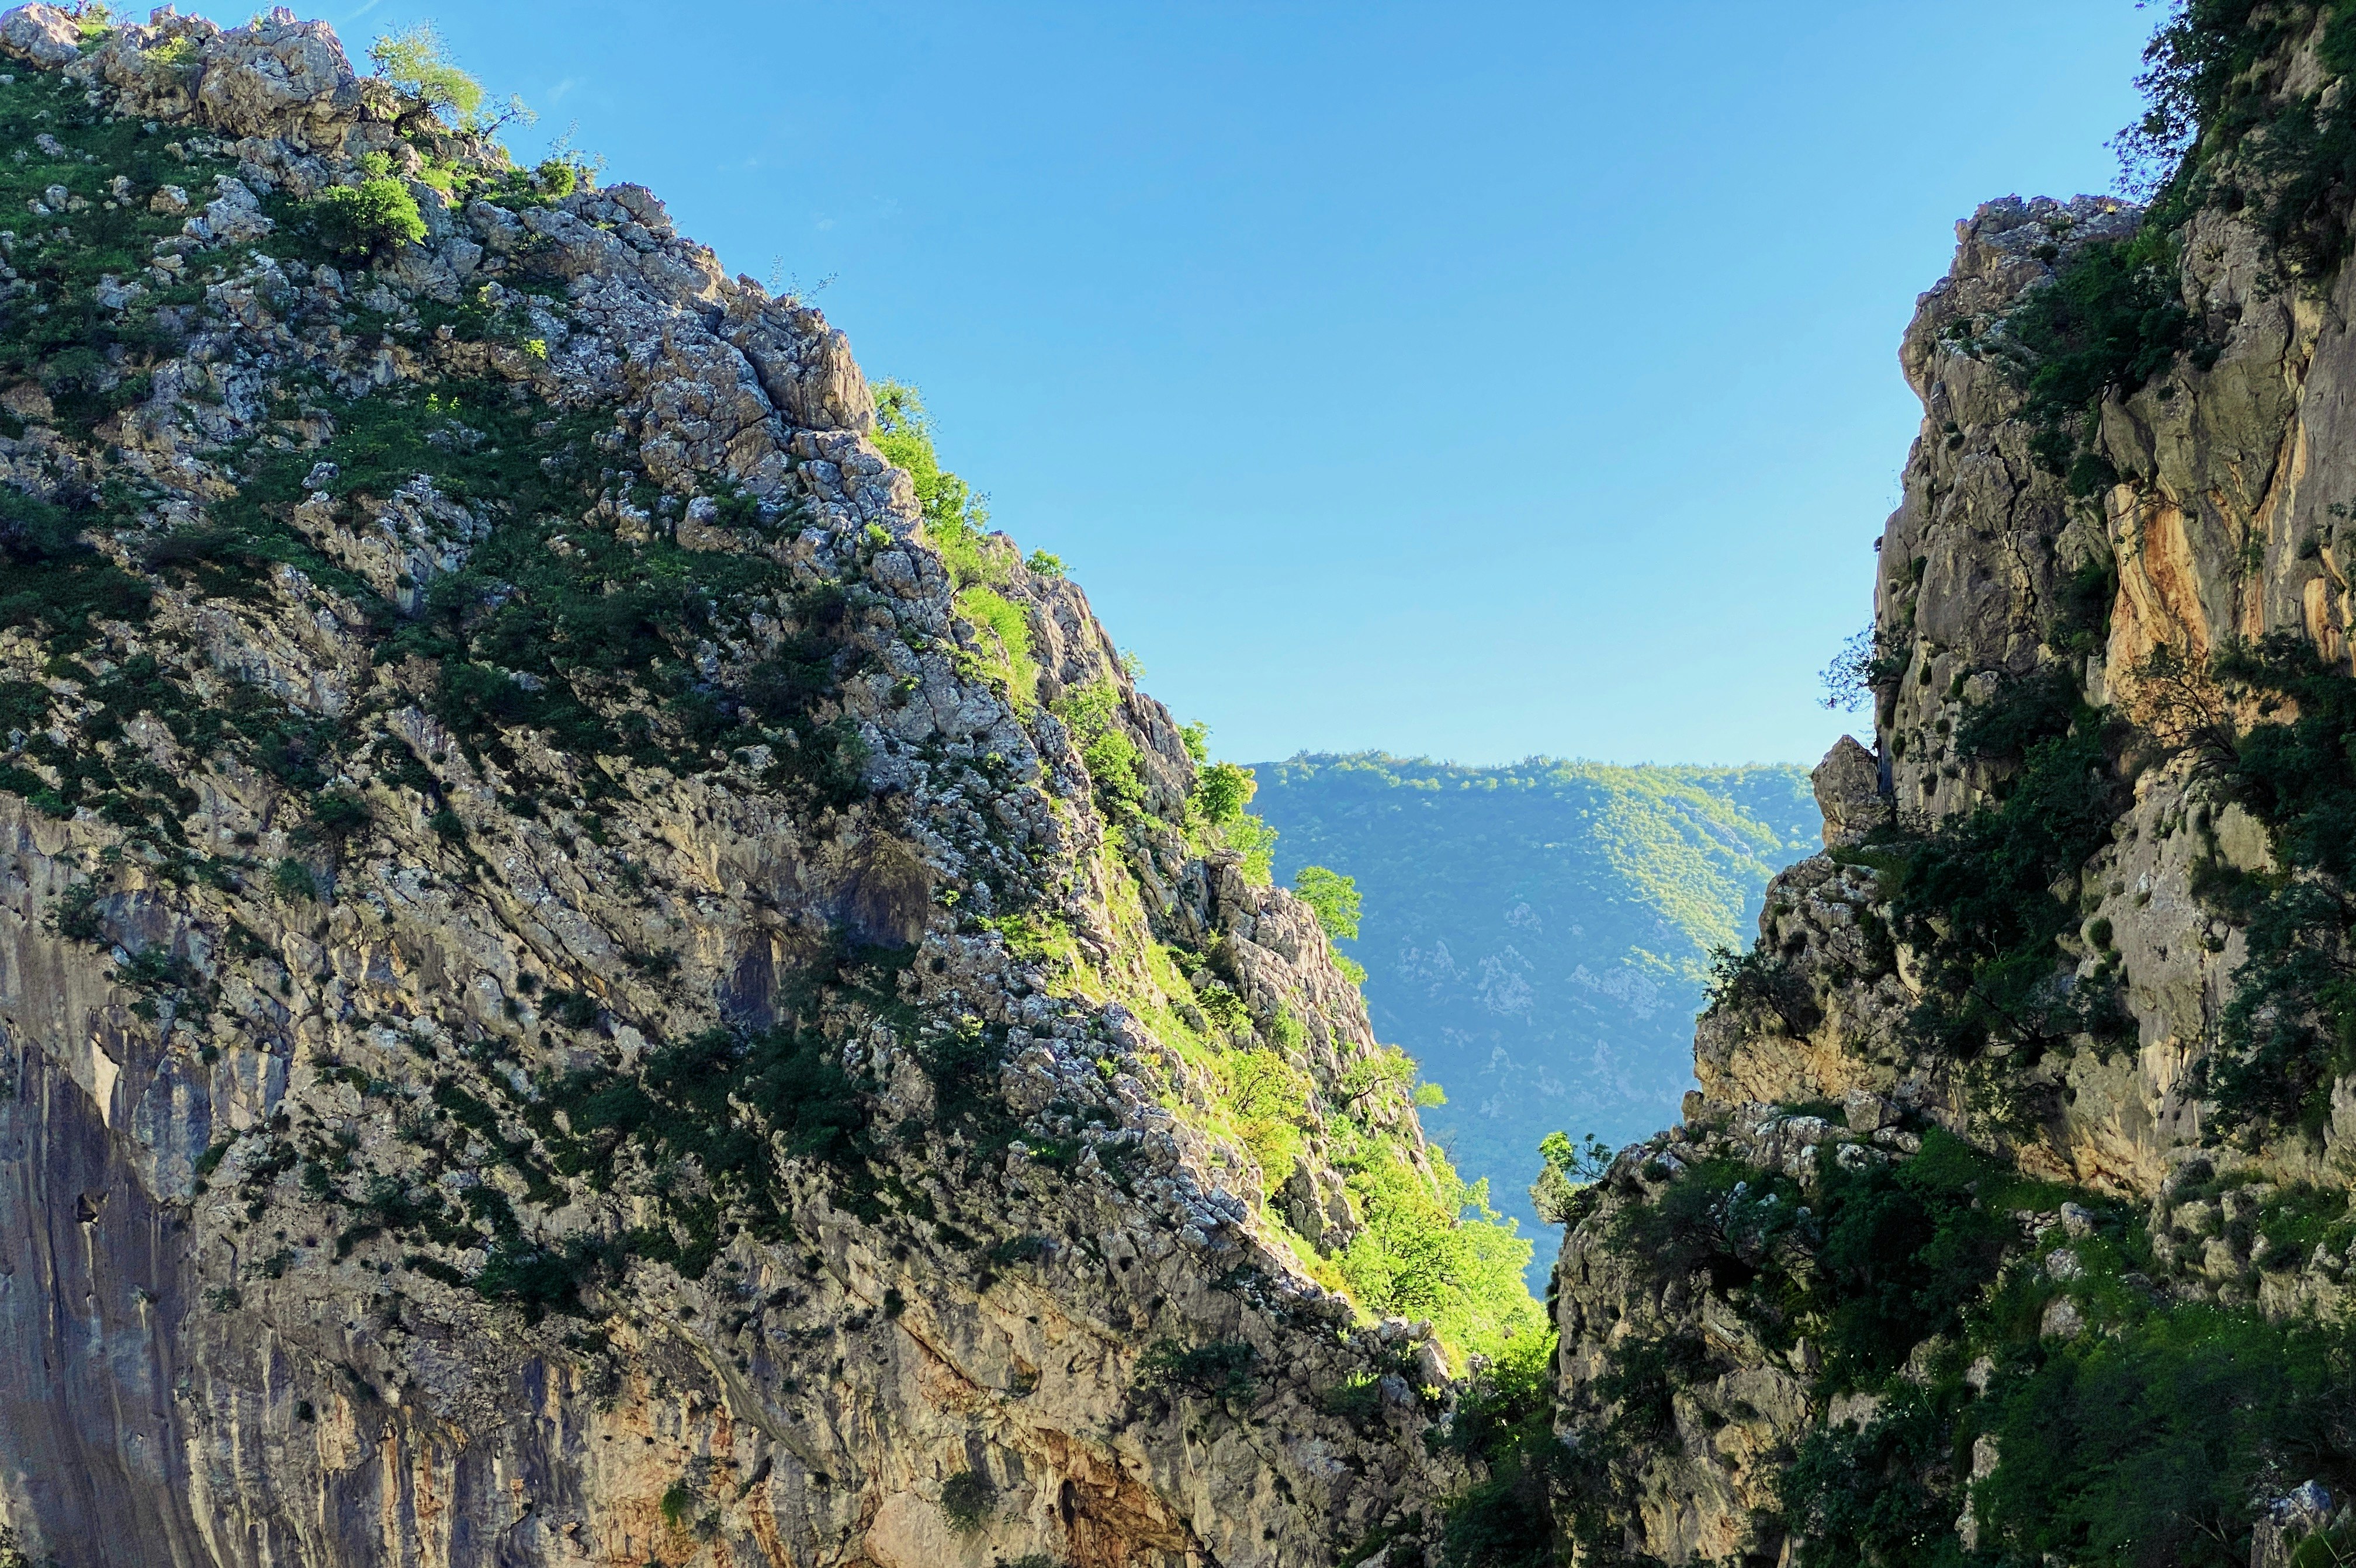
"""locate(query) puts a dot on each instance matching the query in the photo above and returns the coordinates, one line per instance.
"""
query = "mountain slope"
(589, 970)
(1537, 935)
(2011, 1222)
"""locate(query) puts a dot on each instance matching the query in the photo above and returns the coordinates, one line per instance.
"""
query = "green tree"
(1334, 896)
(418, 62)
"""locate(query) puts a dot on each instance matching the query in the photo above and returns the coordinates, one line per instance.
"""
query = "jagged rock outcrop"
(2016, 964)
(563, 998)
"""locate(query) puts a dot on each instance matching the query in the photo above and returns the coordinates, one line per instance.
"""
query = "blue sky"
(1467, 380)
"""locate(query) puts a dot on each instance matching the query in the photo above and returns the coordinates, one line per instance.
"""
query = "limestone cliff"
(584, 978)
(2037, 1076)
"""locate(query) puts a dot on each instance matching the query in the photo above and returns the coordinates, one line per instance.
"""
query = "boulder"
(1848, 792)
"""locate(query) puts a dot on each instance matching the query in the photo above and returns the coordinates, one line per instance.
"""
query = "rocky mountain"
(590, 970)
(1537, 935)
(2011, 1221)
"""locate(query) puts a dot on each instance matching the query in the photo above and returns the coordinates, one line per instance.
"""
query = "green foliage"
(1905, 1252)
(1975, 896)
(2289, 1029)
(1504, 1420)
(2110, 320)
(2082, 624)
(1865, 1499)
(1268, 1099)
(1221, 792)
(2140, 1441)
(735, 1103)
(56, 582)
(1222, 1370)
(589, 642)
(1895, 1254)
(1217, 818)
(1092, 714)
(1760, 980)
(338, 812)
(1541, 930)
(358, 221)
(1868, 659)
(1567, 1170)
(417, 61)
(967, 1499)
(1433, 1248)
(2146, 1446)
(293, 881)
(1334, 897)
(91, 361)
(2221, 128)
(75, 915)
(1004, 628)
(957, 519)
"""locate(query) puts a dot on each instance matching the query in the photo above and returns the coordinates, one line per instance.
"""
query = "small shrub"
(1004, 628)
(359, 221)
(339, 813)
(1357, 1400)
(2108, 323)
(293, 881)
(1090, 712)
(967, 1501)
(1570, 1169)
(1018, 1250)
(75, 916)
(1222, 1370)
(1760, 980)
(573, 1009)
(1222, 791)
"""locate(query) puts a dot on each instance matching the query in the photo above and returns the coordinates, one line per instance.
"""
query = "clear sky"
(1473, 380)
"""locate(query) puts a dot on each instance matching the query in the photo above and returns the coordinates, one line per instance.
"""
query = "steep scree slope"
(579, 979)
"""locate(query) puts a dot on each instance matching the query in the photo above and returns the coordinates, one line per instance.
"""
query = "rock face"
(563, 998)
(2110, 563)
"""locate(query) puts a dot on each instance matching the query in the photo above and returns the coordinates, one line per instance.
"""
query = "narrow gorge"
(594, 971)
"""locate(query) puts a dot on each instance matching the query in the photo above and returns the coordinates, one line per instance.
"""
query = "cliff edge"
(590, 970)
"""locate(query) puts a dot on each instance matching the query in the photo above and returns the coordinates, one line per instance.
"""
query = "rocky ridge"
(582, 979)
(2023, 1079)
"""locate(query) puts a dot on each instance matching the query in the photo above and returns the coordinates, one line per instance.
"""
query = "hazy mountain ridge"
(1536, 933)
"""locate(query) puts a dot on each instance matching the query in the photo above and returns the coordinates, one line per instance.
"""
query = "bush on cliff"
(2289, 1032)
(1975, 896)
(375, 216)
(2220, 130)
(957, 516)
(2109, 321)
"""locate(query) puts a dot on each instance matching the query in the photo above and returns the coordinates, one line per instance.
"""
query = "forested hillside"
(1537, 935)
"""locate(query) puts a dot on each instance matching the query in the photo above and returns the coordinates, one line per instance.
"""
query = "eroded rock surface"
(718, 1078)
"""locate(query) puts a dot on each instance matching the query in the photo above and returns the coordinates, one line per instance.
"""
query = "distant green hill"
(1537, 935)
